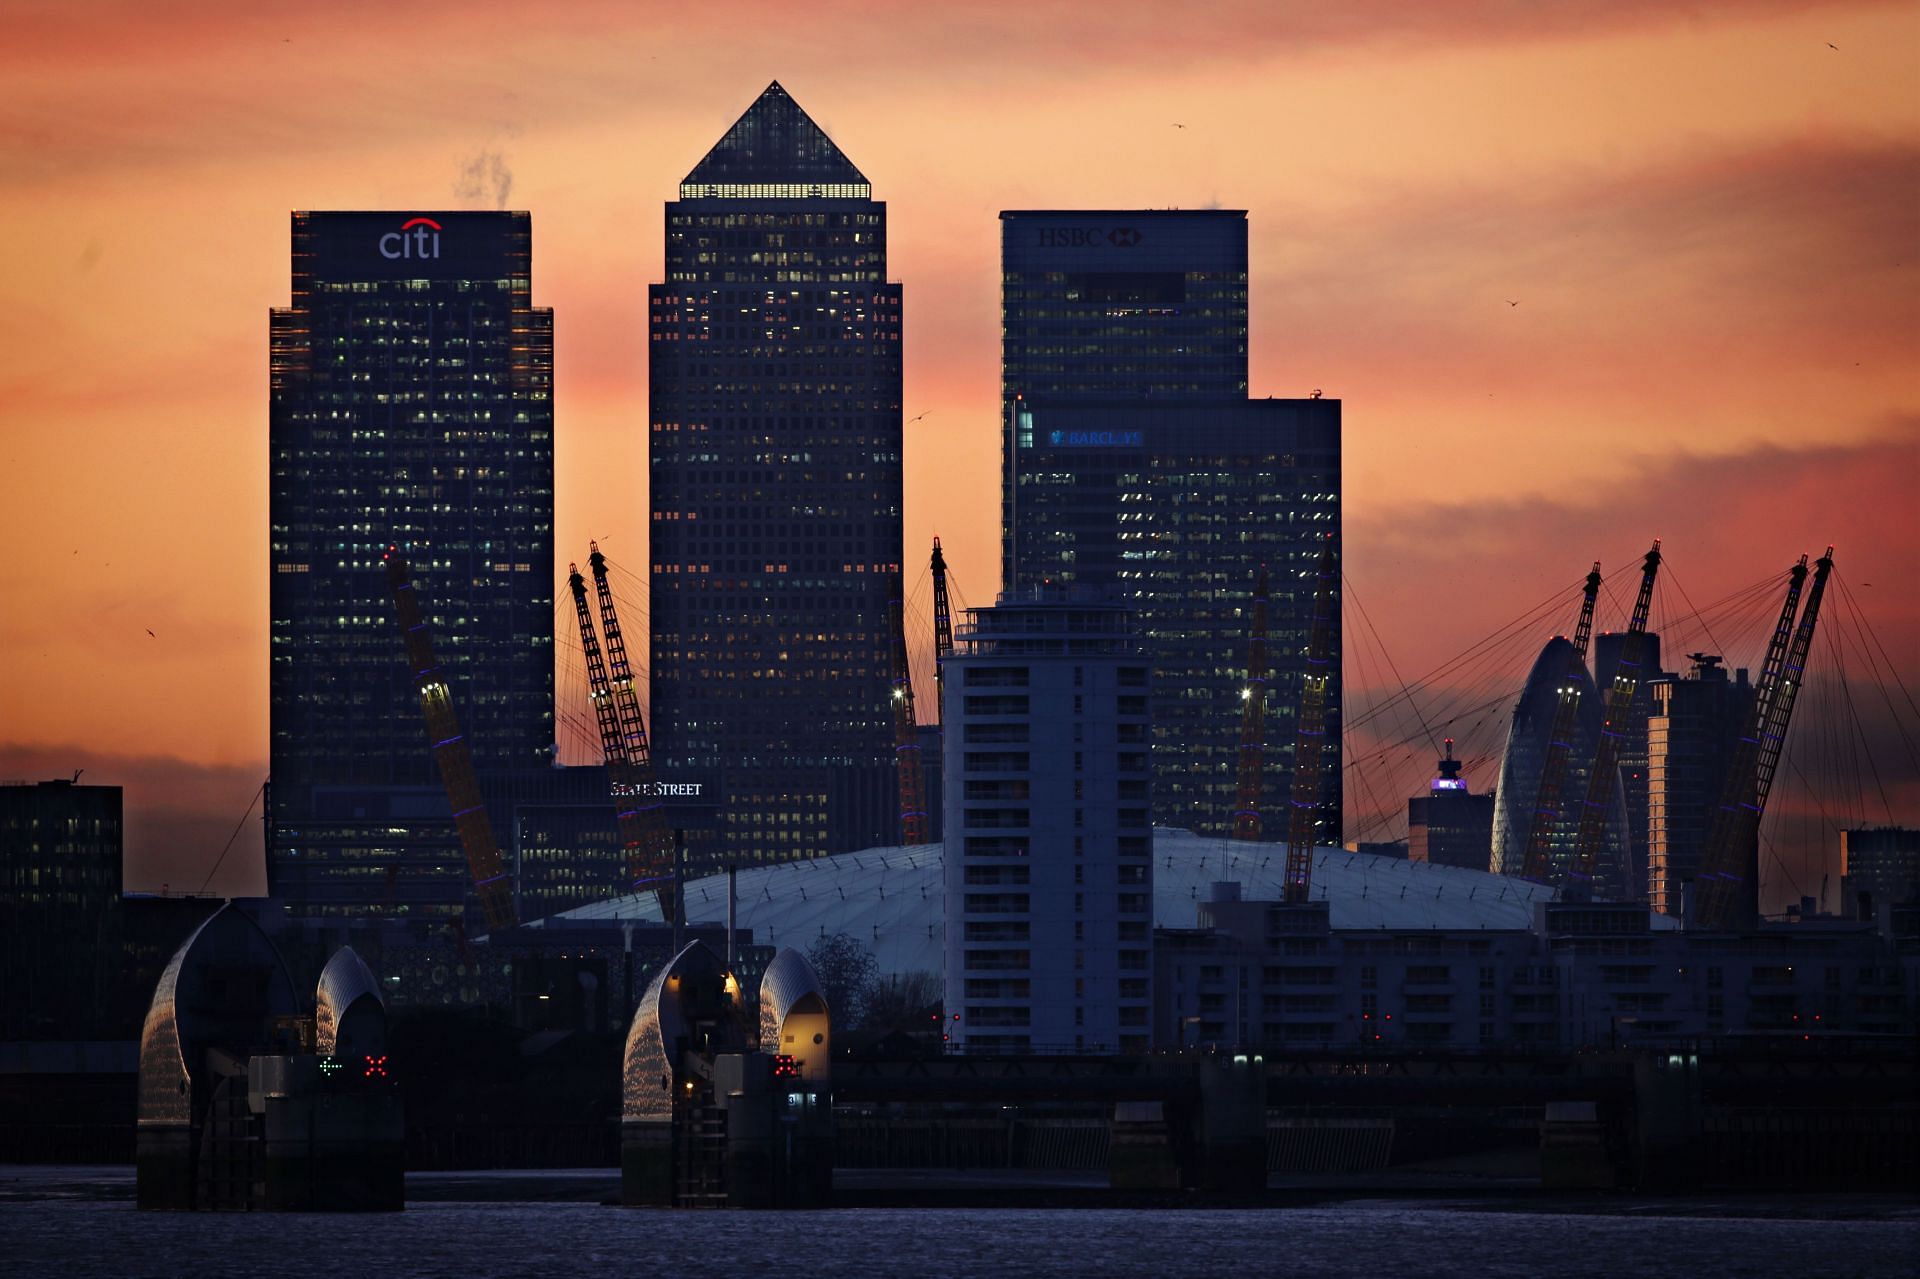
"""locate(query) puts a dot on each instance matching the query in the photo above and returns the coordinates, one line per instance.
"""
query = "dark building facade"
(411, 406)
(776, 490)
(1879, 865)
(1173, 509)
(566, 850)
(1134, 464)
(1450, 825)
(1048, 862)
(1115, 305)
(60, 849)
(1632, 748)
(1696, 723)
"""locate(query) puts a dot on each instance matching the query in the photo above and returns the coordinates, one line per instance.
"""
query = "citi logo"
(416, 238)
(1081, 237)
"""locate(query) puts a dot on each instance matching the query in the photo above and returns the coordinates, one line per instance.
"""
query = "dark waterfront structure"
(1135, 464)
(1691, 736)
(776, 490)
(60, 924)
(1174, 508)
(1450, 825)
(248, 1102)
(411, 406)
(1583, 976)
(723, 1105)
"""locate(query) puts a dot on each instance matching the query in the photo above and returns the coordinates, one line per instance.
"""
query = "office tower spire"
(775, 465)
(775, 149)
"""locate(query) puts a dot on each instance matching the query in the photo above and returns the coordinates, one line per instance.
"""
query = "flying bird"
(911, 421)
(1179, 126)
(1833, 46)
(1511, 302)
(150, 632)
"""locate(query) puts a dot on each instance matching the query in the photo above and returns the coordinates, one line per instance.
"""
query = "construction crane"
(631, 799)
(450, 753)
(906, 729)
(942, 631)
(1729, 877)
(1538, 863)
(650, 858)
(1309, 748)
(1253, 719)
(1602, 778)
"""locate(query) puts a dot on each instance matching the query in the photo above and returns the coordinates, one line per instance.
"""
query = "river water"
(73, 1222)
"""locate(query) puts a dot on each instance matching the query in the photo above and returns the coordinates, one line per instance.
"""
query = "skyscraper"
(1049, 858)
(411, 405)
(1556, 673)
(1691, 736)
(1135, 464)
(776, 489)
(1115, 305)
(1607, 646)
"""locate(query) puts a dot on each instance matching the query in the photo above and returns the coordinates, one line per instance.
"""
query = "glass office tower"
(776, 491)
(1172, 509)
(1135, 464)
(411, 405)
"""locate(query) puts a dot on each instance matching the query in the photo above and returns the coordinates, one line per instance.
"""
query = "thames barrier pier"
(247, 1102)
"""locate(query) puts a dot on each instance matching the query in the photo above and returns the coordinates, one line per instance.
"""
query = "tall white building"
(1048, 851)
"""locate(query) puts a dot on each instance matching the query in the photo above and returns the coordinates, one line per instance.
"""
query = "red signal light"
(374, 1067)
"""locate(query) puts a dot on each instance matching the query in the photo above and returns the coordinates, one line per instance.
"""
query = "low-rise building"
(1263, 974)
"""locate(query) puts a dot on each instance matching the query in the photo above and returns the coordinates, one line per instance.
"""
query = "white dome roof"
(890, 898)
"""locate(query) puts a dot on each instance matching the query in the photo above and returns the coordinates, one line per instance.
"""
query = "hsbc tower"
(1136, 467)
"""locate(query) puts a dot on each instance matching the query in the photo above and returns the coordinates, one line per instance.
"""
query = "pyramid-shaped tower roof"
(775, 150)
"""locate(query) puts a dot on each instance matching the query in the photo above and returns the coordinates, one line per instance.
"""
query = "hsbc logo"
(416, 238)
(1084, 237)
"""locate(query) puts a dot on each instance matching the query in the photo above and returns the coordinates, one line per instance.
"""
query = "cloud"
(484, 176)
(241, 78)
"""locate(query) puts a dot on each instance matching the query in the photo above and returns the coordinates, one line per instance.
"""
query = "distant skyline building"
(411, 404)
(1633, 748)
(1691, 736)
(1879, 865)
(1135, 464)
(1556, 673)
(60, 870)
(1449, 825)
(1048, 865)
(775, 394)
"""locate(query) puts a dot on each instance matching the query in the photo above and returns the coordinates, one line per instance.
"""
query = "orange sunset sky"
(1708, 214)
